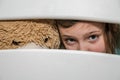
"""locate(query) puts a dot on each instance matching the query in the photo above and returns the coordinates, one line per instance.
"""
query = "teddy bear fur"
(17, 33)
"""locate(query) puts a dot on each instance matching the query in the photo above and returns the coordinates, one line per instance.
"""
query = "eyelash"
(69, 39)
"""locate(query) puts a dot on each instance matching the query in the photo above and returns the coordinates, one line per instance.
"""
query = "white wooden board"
(44, 64)
(95, 10)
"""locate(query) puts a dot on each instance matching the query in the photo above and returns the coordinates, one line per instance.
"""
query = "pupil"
(93, 36)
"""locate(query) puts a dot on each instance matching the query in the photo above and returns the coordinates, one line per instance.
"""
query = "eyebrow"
(68, 36)
(91, 32)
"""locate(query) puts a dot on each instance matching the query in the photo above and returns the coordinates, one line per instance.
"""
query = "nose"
(83, 47)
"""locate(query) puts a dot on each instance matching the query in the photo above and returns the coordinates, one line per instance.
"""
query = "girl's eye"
(70, 41)
(93, 37)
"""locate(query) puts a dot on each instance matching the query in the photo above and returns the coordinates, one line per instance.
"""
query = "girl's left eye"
(93, 37)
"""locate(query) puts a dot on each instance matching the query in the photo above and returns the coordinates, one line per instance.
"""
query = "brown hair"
(112, 32)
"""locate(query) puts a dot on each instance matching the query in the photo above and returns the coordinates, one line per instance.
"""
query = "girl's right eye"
(70, 41)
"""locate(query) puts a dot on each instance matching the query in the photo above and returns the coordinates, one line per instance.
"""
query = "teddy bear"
(16, 34)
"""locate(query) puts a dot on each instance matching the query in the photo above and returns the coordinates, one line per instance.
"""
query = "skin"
(85, 36)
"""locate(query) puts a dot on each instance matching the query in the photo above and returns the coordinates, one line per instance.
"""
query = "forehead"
(83, 25)
(69, 23)
(80, 29)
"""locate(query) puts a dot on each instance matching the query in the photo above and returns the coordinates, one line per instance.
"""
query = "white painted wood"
(44, 64)
(95, 10)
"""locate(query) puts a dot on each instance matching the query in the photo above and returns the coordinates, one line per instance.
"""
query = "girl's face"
(87, 36)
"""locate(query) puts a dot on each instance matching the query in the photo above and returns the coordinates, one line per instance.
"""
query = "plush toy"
(19, 33)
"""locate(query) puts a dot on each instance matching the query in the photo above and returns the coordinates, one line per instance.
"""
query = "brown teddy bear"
(19, 33)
